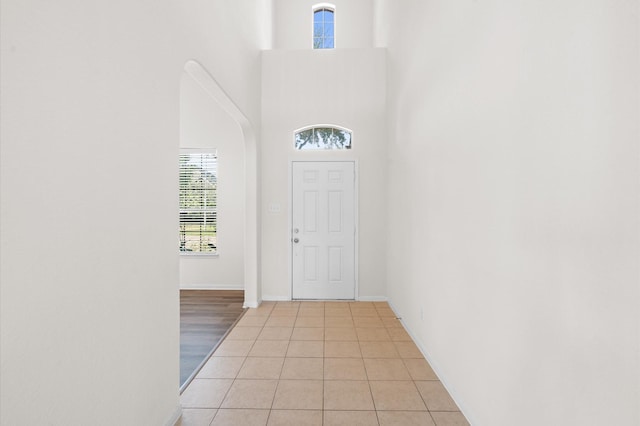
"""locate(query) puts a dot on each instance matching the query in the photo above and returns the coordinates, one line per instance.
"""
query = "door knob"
(295, 240)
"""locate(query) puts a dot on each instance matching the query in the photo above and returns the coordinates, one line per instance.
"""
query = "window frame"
(314, 9)
(213, 211)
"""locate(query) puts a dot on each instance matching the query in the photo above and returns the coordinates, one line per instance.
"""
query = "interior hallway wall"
(302, 87)
(344, 87)
(205, 124)
(513, 219)
(89, 136)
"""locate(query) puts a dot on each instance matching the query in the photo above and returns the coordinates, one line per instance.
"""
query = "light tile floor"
(318, 363)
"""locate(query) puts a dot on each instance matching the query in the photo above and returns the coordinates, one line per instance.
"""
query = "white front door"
(323, 230)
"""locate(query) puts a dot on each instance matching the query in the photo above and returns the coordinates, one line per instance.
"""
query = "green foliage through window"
(323, 138)
(198, 201)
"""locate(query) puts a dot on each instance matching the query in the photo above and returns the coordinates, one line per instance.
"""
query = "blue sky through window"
(323, 29)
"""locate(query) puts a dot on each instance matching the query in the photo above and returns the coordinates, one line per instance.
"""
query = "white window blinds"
(198, 201)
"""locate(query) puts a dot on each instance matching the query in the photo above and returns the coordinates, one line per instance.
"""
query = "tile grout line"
(237, 373)
(324, 366)
(324, 312)
(232, 383)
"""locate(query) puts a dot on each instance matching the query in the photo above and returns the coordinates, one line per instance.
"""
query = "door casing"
(356, 220)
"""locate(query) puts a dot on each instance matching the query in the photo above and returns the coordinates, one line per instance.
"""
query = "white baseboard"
(408, 330)
(205, 286)
(372, 299)
(250, 304)
(434, 366)
(175, 416)
(269, 298)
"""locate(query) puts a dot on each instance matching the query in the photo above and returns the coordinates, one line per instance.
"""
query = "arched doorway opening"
(201, 76)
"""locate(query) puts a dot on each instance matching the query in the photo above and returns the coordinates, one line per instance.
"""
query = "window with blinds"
(198, 201)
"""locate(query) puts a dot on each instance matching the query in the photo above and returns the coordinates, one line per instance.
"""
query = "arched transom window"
(323, 26)
(322, 137)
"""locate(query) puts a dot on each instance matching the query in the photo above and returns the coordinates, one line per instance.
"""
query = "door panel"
(323, 230)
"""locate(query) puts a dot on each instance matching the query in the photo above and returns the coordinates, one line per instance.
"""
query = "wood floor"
(205, 317)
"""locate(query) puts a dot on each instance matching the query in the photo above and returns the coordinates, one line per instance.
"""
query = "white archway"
(252, 296)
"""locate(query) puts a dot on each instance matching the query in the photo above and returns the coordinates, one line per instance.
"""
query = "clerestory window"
(198, 201)
(323, 27)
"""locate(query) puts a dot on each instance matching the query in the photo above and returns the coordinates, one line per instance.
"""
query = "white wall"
(306, 87)
(514, 203)
(205, 124)
(88, 188)
(293, 23)
(224, 38)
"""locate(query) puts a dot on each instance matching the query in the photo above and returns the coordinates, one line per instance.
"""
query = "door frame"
(356, 219)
